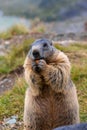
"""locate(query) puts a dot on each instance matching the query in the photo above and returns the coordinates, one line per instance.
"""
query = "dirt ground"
(7, 81)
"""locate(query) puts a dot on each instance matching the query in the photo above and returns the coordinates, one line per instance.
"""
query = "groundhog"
(51, 99)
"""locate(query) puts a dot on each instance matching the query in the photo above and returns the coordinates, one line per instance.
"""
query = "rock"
(7, 42)
(5, 80)
(11, 121)
(82, 126)
(6, 119)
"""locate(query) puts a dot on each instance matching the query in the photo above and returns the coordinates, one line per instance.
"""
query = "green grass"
(20, 29)
(12, 102)
(17, 29)
(15, 57)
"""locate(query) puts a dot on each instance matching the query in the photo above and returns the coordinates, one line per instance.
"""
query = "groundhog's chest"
(51, 106)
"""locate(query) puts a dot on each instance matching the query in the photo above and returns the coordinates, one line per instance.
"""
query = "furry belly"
(54, 111)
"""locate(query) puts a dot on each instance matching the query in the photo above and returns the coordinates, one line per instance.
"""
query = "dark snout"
(36, 54)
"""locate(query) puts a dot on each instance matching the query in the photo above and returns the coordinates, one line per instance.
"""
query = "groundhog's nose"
(36, 54)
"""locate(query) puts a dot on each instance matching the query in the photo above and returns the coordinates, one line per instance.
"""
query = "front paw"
(35, 67)
(39, 66)
(42, 65)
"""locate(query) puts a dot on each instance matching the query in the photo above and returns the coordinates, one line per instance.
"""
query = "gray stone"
(82, 126)
(11, 121)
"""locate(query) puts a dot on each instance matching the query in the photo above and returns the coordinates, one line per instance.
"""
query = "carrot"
(37, 61)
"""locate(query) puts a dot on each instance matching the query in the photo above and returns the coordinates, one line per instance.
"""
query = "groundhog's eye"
(45, 45)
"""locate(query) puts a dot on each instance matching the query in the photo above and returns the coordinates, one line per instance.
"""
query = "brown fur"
(51, 99)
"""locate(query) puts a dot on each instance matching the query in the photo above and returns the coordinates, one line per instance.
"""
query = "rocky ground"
(64, 39)
(11, 123)
(7, 81)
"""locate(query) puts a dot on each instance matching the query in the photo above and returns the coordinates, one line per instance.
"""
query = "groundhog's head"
(41, 49)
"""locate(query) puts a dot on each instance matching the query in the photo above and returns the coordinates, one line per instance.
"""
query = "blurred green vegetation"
(15, 57)
(17, 29)
(20, 29)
